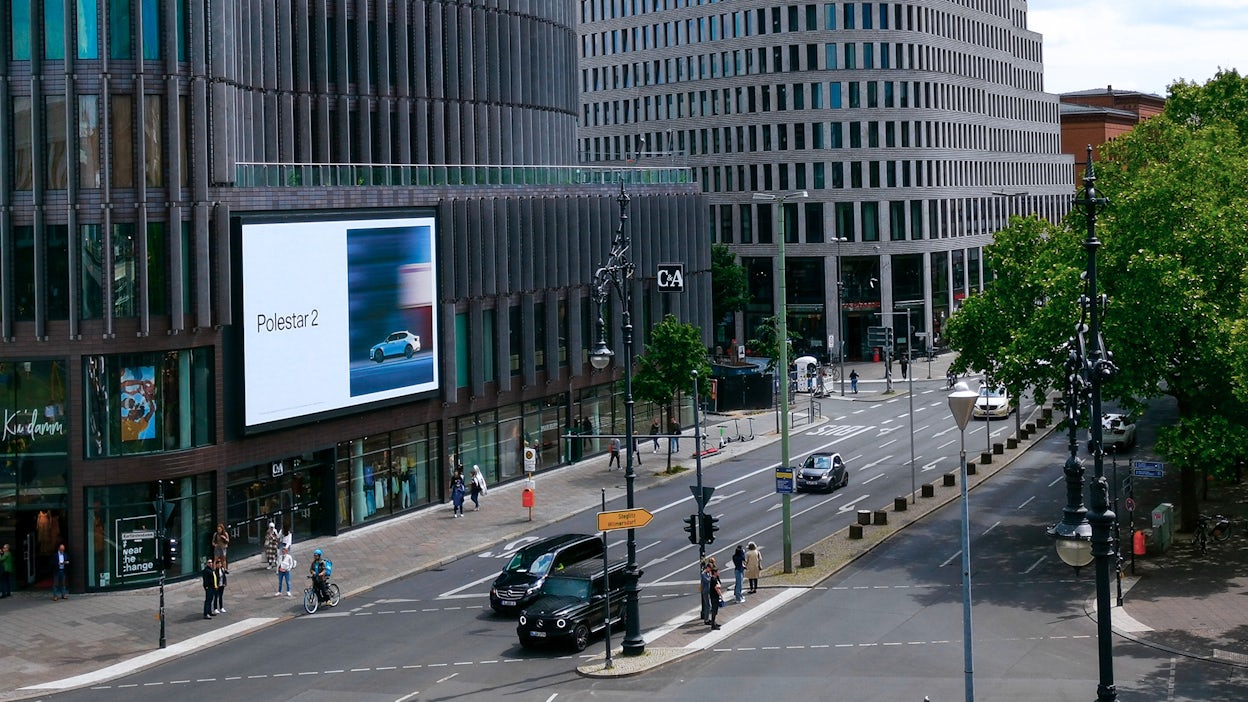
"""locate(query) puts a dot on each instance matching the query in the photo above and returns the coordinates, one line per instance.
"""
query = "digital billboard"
(336, 314)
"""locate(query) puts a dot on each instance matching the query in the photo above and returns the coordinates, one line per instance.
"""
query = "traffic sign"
(784, 480)
(705, 497)
(879, 336)
(530, 459)
(623, 519)
(1148, 469)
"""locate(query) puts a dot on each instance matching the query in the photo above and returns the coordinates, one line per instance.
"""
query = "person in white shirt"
(477, 489)
(285, 564)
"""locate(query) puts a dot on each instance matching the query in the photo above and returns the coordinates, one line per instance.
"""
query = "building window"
(23, 149)
(157, 269)
(58, 271)
(153, 141)
(91, 303)
(24, 271)
(119, 30)
(54, 30)
(870, 221)
(19, 29)
(122, 133)
(55, 154)
(88, 141)
(147, 403)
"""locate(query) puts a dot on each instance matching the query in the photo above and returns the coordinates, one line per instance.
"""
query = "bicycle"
(1217, 526)
(312, 602)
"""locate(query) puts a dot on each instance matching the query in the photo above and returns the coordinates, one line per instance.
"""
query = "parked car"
(822, 471)
(1117, 432)
(571, 606)
(993, 403)
(522, 577)
(400, 343)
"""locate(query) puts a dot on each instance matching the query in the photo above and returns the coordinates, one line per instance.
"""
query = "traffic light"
(169, 553)
(710, 525)
(691, 528)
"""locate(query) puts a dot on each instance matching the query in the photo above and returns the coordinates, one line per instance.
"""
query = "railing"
(331, 175)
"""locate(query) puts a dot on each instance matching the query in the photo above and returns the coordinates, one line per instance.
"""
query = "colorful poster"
(138, 403)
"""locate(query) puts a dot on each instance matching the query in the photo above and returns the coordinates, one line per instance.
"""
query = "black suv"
(521, 579)
(572, 606)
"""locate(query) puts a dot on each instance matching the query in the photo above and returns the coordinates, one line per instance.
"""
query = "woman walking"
(457, 494)
(738, 568)
(270, 547)
(220, 544)
(218, 600)
(478, 488)
(753, 566)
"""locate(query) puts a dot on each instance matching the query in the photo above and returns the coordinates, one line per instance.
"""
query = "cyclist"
(320, 569)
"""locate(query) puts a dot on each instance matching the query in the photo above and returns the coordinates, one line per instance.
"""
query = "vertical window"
(847, 17)
(23, 149)
(855, 94)
(868, 55)
(55, 167)
(829, 56)
(188, 266)
(870, 221)
(866, 16)
(122, 170)
(180, 9)
(88, 141)
(845, 221)
(54, 30)
(814, 222)
(58, 271)
(24, 271)
(834, 95)
(125, 282)
(184, 150)
(766, 224)
(157, 269)
(119, 30)
(151, 29)
(851, 55)
(747, 230)
(19, 29)
(153, 141)
(91, 303)
(88, 29)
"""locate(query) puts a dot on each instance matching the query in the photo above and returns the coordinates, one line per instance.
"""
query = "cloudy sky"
(1142, 45)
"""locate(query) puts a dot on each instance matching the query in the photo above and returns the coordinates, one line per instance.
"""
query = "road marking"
(881, 475)
(950, 559)
(1029, 499)
(994, 526)
(1034, 565)
(875, 463)
(852, 505)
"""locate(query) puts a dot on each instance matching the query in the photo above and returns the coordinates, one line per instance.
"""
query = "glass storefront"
(290, 492)
(121, 524)
(34, 466)
(382, 475)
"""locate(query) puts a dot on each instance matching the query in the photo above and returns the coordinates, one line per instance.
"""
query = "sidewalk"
(48, 641)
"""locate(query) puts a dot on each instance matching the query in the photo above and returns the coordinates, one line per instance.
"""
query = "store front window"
(122, 526)
(382, 475)
(289, 492)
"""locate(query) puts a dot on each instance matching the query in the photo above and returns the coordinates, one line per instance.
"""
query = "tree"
(1172, 264)
(728, 288)
(767, 343)
(666, 370)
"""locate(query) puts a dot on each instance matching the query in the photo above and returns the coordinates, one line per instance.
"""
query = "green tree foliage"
(666, 370)
(1172, 263)
(767, 343)
(728, 287)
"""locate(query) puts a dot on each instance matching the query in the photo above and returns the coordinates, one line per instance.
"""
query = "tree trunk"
(1189, 504)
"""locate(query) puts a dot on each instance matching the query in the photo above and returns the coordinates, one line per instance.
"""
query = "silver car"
(822, 471)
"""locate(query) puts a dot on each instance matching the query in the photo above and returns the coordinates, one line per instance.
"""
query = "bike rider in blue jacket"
(320, 569)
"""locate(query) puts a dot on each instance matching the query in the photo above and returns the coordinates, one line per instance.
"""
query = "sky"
(1141, 45)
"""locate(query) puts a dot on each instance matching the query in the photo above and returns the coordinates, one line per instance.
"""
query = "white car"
(992, 403)
(1117, 432)
(400, 343)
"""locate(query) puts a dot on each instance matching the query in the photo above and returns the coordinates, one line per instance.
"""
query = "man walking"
(60, 574)
(615, 455)
(209, 576)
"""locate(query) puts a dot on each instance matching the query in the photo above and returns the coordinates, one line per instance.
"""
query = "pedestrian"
(6, 572)
(704, 589)
(853, 381)
(218, 601)
(753, 566)
(220, 543)
(457, 493)
(209, 577)
(738, 569)
(478, 488)
(285, 564)
(60, 574)
(615, 454)
(587, 428)
(271, 539)
(673, 443)
(905, 365)
(287, 541)
(717, 594)
(636, 453)
(654, 434)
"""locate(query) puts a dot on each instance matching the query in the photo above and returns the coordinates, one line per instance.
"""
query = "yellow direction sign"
(623, 519)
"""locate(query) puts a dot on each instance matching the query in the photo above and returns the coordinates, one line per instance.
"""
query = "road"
(888, 626)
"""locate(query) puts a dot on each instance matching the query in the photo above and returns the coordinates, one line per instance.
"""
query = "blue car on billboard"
(400, 343)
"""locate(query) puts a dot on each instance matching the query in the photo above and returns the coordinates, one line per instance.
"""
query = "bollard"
(864, 516)
(1011, 443)
(879, 517)
(1042, 423)
(899, 504)
(985, 457)
(855, 531)
(998, 448)
(950, 479)
(970, 467)
(1023, 434)
(806, 559)
(928, 490)
(1030, 427)
(1047, 413)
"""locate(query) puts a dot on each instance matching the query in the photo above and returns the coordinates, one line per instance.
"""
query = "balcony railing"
(333, 175)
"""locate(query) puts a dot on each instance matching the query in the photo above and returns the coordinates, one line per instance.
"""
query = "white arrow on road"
(852, 505)
(930, 466)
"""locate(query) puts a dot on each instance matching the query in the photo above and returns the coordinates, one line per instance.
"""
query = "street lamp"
(1084, 535)
(961, 403)
(840, 312)
(782, 334)
(617, 273)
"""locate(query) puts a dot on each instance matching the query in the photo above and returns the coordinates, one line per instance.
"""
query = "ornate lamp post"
(617, 273)
(1082, 535)
(961, 403)
(782, 337)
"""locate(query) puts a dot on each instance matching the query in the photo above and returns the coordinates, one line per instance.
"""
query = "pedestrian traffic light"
(169, 554)
(710, 525)
(691, 528)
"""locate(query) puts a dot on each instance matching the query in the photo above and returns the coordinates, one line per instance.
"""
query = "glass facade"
(383, 475)
(142, 403)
